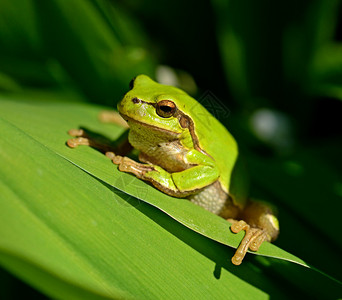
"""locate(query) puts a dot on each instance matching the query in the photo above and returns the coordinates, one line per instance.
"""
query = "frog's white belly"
(211, 198)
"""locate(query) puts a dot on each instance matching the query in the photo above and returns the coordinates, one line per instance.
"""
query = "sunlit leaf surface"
(68, 219)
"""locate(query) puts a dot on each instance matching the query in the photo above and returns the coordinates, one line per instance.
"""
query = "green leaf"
(60, 118)
(63, 230)
(67, 228)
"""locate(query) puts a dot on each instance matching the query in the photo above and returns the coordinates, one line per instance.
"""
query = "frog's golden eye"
(131, 83)
(166, 108)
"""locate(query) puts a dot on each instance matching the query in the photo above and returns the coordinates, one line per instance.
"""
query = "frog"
(185, 152)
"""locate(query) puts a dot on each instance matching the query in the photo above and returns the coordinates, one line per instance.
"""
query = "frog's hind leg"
(260, 224)
(252, 240)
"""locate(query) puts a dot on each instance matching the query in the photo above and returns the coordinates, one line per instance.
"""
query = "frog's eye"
(166, 108)
(131, 83)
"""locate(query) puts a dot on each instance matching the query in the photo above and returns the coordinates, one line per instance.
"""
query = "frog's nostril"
(135, 100)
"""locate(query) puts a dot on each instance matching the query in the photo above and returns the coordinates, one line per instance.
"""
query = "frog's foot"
(130, 166)
(252, 240)
(82, 138)
(109, 116)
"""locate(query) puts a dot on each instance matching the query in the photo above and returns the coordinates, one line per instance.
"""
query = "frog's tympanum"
(185, 152)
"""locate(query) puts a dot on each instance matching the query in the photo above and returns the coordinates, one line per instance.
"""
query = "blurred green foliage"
(275, 66)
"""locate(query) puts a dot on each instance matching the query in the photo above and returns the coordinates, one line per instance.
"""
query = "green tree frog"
(185, 152)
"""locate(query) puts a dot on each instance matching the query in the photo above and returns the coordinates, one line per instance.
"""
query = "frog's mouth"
(152, 127)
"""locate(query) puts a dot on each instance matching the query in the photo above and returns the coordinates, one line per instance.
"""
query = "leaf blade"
(111, 254)
(182, 210)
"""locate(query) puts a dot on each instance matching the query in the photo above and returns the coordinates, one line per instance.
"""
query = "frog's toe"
(73, 143)
(108, 116)
(81, 138)
(260, 237)
(252, 240)
(237, 226)
(77, 133)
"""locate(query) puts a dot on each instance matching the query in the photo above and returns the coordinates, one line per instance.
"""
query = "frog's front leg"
(130, 166)
(121, 146)
(177, 184)
(82, 138)
(111, 116)
(259, 223)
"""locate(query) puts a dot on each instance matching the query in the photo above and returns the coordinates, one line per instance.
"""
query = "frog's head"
(156, 105)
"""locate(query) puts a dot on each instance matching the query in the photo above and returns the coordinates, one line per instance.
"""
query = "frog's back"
(215, 139)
